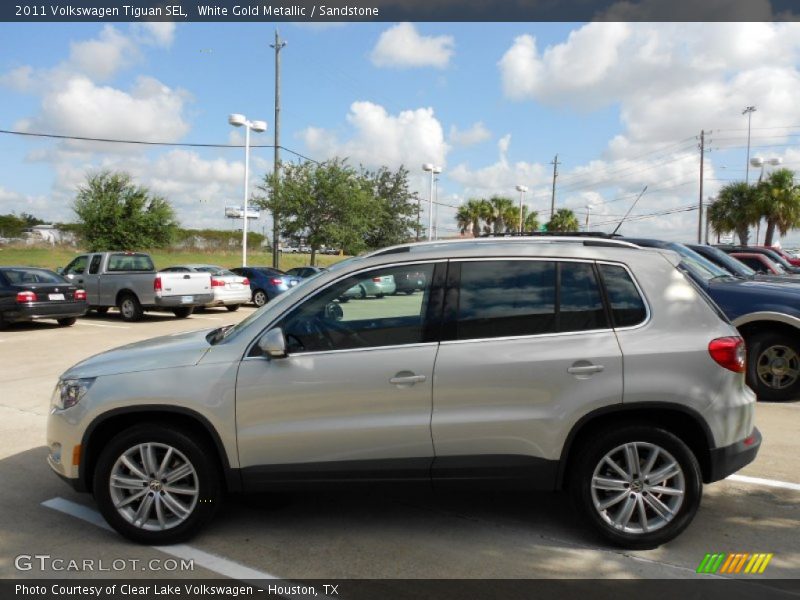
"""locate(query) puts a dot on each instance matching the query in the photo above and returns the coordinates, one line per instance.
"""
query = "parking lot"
(349, 535)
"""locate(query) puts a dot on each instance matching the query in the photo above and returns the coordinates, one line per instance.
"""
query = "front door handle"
(403, 378)
(585, 369)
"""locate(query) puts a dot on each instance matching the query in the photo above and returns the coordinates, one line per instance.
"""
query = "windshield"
(698, 265)
(729, 263)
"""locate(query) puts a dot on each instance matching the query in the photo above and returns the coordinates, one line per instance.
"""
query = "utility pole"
(553, 197)
(276, 176)
(700, 207)
(749, 110)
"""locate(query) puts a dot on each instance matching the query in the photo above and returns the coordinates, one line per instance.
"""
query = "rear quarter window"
(625, 301)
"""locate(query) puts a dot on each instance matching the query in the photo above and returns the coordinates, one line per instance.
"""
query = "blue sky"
(621, 104)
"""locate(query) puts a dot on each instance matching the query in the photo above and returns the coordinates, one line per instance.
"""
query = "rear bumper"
(729, 459)
(176, 301)
(226, 297)
(60, 310)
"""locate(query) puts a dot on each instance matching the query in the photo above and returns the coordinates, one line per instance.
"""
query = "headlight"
(70, 391)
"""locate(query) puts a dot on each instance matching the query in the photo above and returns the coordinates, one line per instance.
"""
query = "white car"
(229, 289)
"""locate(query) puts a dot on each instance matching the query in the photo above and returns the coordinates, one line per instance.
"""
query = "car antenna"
(613, 233)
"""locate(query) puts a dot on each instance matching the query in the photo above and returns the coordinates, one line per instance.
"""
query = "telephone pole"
(700, 206)
(276, 176)
(553, 197)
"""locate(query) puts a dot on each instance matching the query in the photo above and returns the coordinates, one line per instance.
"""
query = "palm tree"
(530, 219)
(780, 203)
(501, 211)
(736, 209)
(471, 214)
(563, 220)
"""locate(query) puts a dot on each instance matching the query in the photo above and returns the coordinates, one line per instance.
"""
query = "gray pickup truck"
(128, 280)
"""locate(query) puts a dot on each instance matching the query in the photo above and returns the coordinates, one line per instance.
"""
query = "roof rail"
(516, 234)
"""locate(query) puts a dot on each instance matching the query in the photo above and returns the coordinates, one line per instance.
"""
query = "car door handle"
(406, 379)
(585, 369)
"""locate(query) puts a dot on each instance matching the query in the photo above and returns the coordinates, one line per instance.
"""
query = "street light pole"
(433, 170)
(521, 189)
(757, 161)
(238, 120)
(749, 110)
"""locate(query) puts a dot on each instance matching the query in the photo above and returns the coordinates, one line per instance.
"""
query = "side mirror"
(60, 270)
(273, 343)
(333, 311)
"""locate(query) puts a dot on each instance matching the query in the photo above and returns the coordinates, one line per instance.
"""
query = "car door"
(526, 351)
(352, 399)
(91, 280)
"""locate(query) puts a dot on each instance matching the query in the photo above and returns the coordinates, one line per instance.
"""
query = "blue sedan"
(266, 282)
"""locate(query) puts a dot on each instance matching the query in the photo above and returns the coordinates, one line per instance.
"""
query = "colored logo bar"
(735, 563)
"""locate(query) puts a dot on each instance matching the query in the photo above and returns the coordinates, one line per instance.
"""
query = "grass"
(58, 256)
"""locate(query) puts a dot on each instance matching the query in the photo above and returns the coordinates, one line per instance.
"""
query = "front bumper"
(729, 459)
(64, 445)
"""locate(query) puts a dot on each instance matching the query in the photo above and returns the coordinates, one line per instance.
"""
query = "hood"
(169, 351)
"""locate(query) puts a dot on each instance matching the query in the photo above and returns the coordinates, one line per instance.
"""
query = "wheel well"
(98, 436)
(749, 329)
(678, 422)
(122, 293)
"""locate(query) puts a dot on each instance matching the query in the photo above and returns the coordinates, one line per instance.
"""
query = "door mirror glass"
(333, 311)
(60, 270)
(273, 343)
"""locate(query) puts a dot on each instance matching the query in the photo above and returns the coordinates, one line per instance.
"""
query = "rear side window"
(627, 306)
(95, 266)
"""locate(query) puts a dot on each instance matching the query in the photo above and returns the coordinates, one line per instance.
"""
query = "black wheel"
(344, 299)
(260, 298)
(638, 486)
(67, 322)
(773, 366)
(183, 311)
(101, 310)
(379, 296)
(232, 307)
(156, 485)
(129, 308)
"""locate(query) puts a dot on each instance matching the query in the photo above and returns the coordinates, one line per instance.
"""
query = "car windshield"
(698, 265)
(729, 263)
(24, 276)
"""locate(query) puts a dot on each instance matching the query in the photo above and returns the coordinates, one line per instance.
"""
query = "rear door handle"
(407, 379)
(585, 369)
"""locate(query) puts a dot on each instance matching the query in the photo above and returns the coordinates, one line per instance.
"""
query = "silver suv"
(556, 363)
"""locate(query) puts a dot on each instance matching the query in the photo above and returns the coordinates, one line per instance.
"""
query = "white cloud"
(403, 47)
(20, 79)
(156, 33)
(475, 134)
(378, 138)
(103, 56)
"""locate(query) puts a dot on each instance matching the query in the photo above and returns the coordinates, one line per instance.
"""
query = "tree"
(563, 220)
(779, 198)
(393, 212)
(329, 203)
(116, 214)
(12, 225)
(736, 209)
(530, 219)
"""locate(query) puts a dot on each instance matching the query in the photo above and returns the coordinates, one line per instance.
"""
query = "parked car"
(518, 345)
(290, 249)
(768, 252)
(781, 252)
(30, 293)
(410, 282)
(759, 263)
(304, 272)
(375, 286)
(738, 268)
(128, 280)
(767, 316)
(266, 283)
(229, 289)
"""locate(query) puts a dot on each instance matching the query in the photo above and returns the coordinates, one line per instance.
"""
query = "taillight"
(276, 281)
(23, 297)
(157, 284)
(729, 352)
(80, 295)
(246, 281)
(376, 279)
(217, 283)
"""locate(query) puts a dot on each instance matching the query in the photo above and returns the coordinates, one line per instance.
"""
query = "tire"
(182, 513)
(67, 322)
(232, 307)
(181, 312)
(129, 308)
(344, 299)
(773, 366)
(101, 310)
(260, 298)
(379, 296)
(621, 492)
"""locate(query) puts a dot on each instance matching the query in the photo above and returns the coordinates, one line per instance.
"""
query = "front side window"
(361, 311)
(77, 266)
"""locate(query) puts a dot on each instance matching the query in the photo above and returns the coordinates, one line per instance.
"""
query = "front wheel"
(232, 307)
(773, 366)
(638, 486)
(182, 311)
(156, 485)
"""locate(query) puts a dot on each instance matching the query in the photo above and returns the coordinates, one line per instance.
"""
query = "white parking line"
(212, 562)
(207, 318)
(765, 482)
(101, 325)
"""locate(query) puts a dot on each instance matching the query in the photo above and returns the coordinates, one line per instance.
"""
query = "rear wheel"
(638, 486)
(773, 366)
(129, 308)
(260, 298)
(156, 485)
(232, 307)
(67, 322)
(183, 311)
(101, 310)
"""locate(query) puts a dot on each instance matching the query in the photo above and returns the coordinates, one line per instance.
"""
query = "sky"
(621, 104)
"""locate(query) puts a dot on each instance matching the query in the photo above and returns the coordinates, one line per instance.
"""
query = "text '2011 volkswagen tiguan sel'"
(553, 363)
